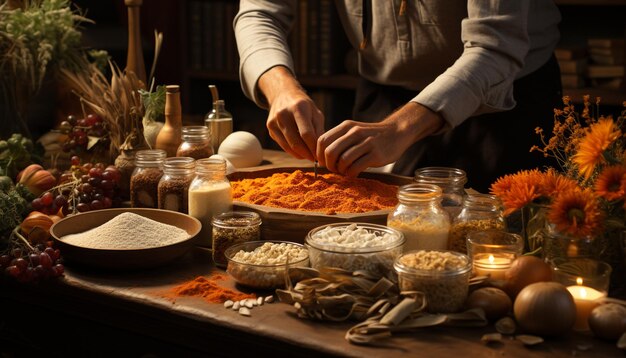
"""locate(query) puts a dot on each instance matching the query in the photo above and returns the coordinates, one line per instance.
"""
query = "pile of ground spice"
(329, 193)
(209, 289)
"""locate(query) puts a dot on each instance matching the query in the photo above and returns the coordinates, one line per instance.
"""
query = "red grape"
(75, 160)
(71, 119)
(13, 271)
(45, 260)
(106, 185)
(59, 268)
(82, 139)
(85, 168)
(37, 204)
(107, 202)
(86, 188)
(21, 264)
(94, 181)
(116, 175)
(82, 207)
(84, 178)
(96, 205)
(95, 172)
(47, 198)
(60, 200)
(34, 259)
(82, 122)
(5, 260)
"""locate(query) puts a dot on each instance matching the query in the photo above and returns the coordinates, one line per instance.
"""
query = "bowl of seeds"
(263, 264)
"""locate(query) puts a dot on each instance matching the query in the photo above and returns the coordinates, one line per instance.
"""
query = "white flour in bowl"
(128, 231)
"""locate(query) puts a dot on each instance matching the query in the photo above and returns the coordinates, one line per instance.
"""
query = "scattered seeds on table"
(236, 306)
(269, 299)
(491, 337)
(244, 311)
(228, 304)
(259, 301)
(505, 325)
(249, 304)
(529, 340)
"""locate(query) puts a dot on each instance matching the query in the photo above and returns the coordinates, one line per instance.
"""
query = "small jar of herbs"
(231, 228)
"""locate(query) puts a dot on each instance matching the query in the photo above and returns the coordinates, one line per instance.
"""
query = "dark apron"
(486, 146)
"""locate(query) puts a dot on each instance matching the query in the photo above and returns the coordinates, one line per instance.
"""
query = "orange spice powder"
(329, 193)
(209, 289)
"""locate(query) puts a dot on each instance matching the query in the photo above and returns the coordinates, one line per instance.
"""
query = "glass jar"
(210, 194)
(196, 143)
(479, 212)
(420, 217)
(144, 181)
(220, 124)
(452, 183)
(231, 228)
(174, 184)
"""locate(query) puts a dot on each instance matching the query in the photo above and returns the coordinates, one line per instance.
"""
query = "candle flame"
(579, 281)
(491, 259)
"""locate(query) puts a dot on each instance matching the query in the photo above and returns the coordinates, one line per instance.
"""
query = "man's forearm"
(276, 80)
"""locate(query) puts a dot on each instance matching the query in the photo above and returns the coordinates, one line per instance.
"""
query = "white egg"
(230, 168)
(243, 149)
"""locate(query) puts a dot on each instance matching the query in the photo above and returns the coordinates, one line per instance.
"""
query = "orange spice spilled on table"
(329, 193)
(209, 289)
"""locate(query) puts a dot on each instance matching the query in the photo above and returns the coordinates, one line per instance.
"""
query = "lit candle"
(586, 300)
(491, 265)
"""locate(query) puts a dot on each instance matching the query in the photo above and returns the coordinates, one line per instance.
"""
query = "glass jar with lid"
(420, 217)
(479, 212)
(452, 183)
(174, 184)
(233, 227)
(210, 194)
(144, 180)
(196, 143)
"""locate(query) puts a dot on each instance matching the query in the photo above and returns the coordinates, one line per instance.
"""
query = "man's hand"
(294, 122)
(352, 147)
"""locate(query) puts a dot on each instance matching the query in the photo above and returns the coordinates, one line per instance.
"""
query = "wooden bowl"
(293, 225)
(122, 259)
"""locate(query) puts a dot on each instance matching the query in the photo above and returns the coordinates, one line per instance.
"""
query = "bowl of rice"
(125, 238)
(355, 246)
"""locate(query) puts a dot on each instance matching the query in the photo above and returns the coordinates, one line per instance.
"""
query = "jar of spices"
(196, 143)
(452, 183)
(210, 194)
(479, 212)
(231, 228)
(174, 184)
(420, 217)
(144, 181)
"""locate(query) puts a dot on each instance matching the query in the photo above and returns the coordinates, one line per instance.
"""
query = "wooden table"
(91, 313)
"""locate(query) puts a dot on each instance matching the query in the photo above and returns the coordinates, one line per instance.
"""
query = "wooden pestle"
(134, 61)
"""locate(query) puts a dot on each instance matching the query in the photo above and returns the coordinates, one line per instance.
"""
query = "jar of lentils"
(452, 183)
(196, 143)
(178, 173)
(231, 228)
(479, 212)
(144, 181)
(420, 217)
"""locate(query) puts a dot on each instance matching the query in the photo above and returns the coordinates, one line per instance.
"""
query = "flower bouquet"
(581, 201)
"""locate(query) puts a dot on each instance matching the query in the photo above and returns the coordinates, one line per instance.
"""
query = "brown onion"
(524, 271)
(608, 321)
(545, 308)
(495, 302)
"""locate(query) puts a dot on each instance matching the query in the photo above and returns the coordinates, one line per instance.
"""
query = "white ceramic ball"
(230, 168)
(243, 149)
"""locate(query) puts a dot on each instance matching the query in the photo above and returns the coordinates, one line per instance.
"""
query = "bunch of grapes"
(30, 264)
(83, 188)
(80, 131)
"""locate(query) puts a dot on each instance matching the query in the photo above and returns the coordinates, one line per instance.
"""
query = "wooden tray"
(293, 225)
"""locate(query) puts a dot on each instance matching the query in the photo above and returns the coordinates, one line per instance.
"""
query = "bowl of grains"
(125, 238)
(443, 276)
(263, 264)
(355, 246)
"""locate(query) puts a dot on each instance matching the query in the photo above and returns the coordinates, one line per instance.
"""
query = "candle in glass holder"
(493, 251)
(492, 265)
(586, 299)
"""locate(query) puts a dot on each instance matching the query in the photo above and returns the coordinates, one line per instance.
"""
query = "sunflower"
(517, 190)
(576, 212)
(592, 146)
(611, 183)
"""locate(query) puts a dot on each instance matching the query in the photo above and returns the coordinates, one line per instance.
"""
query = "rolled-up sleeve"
(261, 29)
(496, 41)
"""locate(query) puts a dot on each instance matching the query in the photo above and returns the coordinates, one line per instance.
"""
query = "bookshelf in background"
(318, 45)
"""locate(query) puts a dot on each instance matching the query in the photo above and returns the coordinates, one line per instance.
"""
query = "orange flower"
(611, 183)
(517, 190)
(593, 145)
(576, 212)
(554, 183)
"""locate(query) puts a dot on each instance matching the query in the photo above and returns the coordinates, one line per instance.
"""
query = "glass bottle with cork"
(420, 217)
(169, 137)
(219, 120)
(210, 194)
(144, 181)
(174, 184)
(195, 143)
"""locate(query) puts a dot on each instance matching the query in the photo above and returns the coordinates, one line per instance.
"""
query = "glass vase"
(555, 244)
